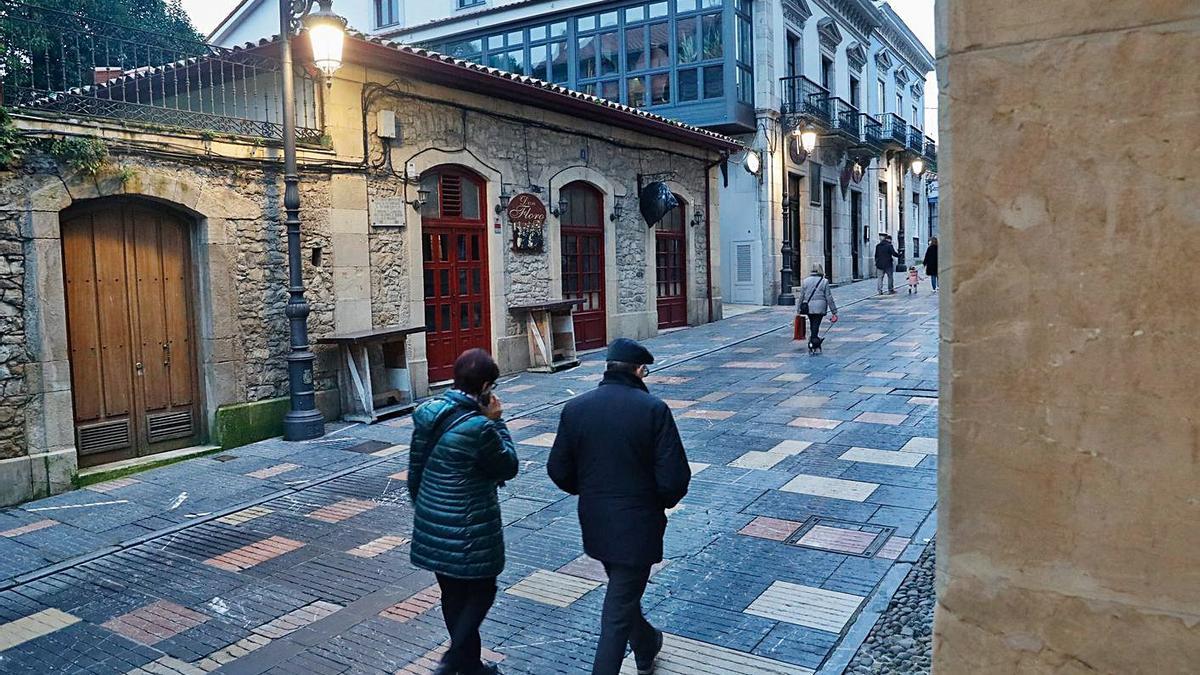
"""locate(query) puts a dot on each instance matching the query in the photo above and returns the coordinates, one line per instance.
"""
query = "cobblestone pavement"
(902, 639)
(813, 495)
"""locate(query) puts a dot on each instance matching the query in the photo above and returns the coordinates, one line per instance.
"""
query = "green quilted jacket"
(457, 528)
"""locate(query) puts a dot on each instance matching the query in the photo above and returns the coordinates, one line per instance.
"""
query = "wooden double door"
(130, 327)
(582, 238)
(454, 254)
(670, 244)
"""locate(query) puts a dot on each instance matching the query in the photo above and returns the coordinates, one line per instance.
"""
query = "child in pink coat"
(914, 278)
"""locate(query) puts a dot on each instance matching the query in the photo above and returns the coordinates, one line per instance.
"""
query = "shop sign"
(527, 215)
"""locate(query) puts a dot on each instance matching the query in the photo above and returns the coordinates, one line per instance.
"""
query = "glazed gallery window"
(387, 13)
(645, 54)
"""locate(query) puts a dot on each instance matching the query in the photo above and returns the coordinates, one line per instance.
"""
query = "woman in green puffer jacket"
(461, 451)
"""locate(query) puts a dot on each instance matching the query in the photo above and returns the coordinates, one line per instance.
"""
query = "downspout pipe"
(708, 293)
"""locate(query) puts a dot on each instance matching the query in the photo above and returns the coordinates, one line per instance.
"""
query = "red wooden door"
(583, 262)
(454, 250)
(127, 270)
(671, 263)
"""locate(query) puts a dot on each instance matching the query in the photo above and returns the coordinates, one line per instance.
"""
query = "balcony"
(56, 63)
(930, 149)
(872, 131)
(804, 98)
(895, 131)
(845, 120)
(916, 140)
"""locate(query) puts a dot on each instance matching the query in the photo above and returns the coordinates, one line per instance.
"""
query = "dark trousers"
(814, 327)
(465, 604)
(622, 622)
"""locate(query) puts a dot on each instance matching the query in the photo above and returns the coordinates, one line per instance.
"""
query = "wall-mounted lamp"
(563, 207)
(421, 200)
(697, 218)
(918, 166)
(752, 162)
(505, 198)
(808, 137)
(618, 208)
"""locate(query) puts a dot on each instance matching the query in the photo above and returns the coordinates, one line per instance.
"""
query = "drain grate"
(841, 536)
(225, 458)
(931, 393)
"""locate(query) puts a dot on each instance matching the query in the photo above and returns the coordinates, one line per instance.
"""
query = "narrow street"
(813, 495)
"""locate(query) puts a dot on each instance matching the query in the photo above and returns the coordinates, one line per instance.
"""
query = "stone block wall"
(360, 243)
(1070, 442)
(14, 354)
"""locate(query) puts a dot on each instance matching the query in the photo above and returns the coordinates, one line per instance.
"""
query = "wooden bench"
(551, 329)
(366, 398)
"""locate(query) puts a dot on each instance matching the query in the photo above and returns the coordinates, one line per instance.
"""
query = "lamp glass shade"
(808, 139)
(753, 163)
(327, 35)
(918, 166)
(423, 195)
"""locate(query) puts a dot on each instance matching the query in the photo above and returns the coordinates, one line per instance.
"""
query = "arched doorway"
(127, 270)
(670, 245)
(454, 254)
(582, 236)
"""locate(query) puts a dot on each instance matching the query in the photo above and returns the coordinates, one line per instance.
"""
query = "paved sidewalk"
(813, 490)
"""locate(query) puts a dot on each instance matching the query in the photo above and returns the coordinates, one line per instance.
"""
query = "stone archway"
(51, 454)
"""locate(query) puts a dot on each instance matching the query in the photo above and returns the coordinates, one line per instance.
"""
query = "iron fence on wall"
(66, 63)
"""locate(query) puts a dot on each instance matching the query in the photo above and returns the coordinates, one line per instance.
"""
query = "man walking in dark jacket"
(619, 450)
(884, 263)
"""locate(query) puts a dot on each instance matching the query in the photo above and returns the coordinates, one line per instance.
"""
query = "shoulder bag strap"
(814, 292)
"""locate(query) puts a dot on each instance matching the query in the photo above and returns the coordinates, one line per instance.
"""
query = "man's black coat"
(618, 448)
(884, 252)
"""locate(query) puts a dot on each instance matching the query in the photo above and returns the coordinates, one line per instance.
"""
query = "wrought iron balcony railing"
(845, 119)
(895, 130)
(60, 62)
(916, 140)
(872, 131)
(930, 149)
(802, 96)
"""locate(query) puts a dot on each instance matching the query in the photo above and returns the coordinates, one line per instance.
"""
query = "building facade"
(760, 70)
(143, 299)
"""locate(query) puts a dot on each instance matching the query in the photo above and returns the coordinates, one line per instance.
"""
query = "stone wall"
(1070, 442)
(361, 248)
(526, 152)
(14, 354)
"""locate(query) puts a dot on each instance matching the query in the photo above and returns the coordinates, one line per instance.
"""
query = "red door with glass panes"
(671, 263)
(583, 262)
(454, 251)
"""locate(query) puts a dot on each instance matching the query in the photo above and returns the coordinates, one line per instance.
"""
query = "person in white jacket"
(815, 301)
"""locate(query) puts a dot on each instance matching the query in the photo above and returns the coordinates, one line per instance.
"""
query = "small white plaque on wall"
(389, 212)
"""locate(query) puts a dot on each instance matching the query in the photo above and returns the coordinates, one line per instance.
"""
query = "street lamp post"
(785, 274)
(303, 421)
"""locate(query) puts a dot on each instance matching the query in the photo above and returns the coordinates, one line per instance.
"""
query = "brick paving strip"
(771, 558)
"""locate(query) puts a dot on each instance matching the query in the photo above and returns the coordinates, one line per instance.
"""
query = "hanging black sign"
(657, 201)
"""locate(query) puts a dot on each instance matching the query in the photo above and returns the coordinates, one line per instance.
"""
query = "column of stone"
(1070, 465)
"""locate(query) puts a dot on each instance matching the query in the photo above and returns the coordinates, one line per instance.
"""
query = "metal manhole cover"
(225, 458)
(841, 536)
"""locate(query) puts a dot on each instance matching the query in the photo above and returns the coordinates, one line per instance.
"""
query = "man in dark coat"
(885, 264)
(618, 448)
(461, 450)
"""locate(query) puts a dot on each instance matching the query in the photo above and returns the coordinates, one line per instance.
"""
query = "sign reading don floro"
(527, 215)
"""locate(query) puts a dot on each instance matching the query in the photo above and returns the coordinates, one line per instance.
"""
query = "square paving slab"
(835, 488)
(806, 606)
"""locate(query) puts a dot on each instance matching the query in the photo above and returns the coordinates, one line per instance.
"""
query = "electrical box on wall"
(385, 123)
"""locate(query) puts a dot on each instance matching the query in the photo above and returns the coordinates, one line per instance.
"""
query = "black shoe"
(647, 667)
